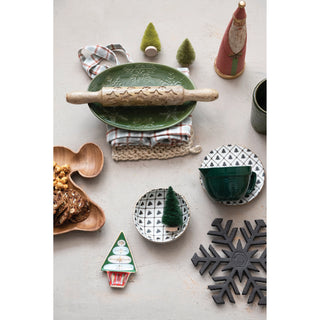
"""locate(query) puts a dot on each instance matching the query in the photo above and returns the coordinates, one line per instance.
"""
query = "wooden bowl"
(88, 161)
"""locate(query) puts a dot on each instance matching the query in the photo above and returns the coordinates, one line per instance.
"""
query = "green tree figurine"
(150, 43)
(185, 53)
(172, 214)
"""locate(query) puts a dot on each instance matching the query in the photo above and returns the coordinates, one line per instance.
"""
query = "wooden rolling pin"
(142, 96)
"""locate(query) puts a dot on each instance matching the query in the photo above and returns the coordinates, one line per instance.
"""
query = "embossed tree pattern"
(238, 261)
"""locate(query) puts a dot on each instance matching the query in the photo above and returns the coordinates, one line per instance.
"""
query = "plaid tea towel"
(177, 134)
(91, 57)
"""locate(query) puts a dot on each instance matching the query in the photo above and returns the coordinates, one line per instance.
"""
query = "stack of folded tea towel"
(135, 145)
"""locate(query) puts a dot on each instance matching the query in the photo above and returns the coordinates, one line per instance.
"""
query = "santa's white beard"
(237, 37)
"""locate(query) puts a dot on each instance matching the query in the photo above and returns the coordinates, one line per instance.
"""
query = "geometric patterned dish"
(235, 155)
(148, 213)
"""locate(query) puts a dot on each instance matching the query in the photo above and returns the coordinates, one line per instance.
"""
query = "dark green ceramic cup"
(259, 107)
(228, 183)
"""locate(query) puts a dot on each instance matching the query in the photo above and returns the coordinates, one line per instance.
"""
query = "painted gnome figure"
(172, 214)
(230, 61)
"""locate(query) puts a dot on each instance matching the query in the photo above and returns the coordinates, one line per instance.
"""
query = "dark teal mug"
(259, 107)
(228, 183)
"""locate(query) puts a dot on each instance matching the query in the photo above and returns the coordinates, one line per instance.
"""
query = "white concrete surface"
(167, 285)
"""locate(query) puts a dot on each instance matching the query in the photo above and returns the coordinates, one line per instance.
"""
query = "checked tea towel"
(179, 133)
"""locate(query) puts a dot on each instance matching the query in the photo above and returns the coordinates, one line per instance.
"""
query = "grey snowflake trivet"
(237, 260)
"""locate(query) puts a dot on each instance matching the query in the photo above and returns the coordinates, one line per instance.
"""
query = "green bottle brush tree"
(150, 43)
(172, 214)
(185, 53)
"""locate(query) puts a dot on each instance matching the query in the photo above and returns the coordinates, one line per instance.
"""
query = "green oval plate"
(141, 118)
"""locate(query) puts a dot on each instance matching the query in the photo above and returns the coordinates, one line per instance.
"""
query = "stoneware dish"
(259, 107)
(148, 213)
(141, 118)
(88, 162)
(232, 155)
(228, 183)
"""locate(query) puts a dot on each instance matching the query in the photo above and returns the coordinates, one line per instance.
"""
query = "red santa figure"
(230, 61)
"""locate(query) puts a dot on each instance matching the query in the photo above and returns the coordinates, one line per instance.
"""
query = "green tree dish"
(150, 38)
(172, 214)
(185, 53)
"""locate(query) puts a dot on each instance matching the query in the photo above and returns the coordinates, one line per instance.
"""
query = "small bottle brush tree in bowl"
(150, 43)
(172, 214)
(185, 53)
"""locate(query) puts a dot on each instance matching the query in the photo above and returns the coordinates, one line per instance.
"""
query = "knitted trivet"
(157, 152)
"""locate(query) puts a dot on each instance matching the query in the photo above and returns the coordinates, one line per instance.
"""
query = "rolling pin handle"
(201, 95)
(83, 97)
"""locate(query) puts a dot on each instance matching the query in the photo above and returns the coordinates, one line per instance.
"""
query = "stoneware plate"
(88, 162)
(141, 118)
(148, 213)
(235, 155)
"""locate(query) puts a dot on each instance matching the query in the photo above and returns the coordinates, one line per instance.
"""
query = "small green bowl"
(258, 116)
(228, 183)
